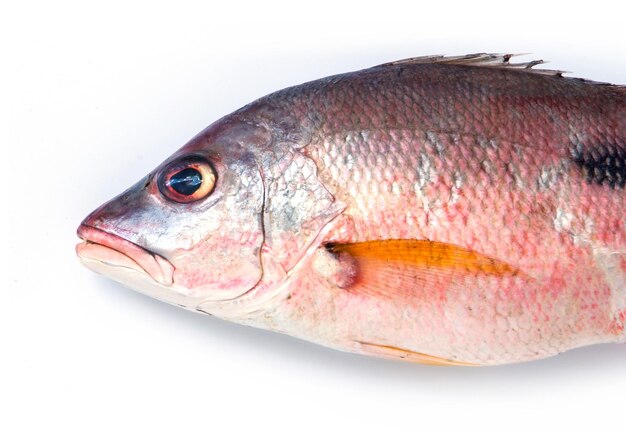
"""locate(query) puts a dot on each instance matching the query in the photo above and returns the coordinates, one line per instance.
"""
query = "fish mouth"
(114, 251)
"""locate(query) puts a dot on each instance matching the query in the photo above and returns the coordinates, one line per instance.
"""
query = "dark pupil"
(187, 181)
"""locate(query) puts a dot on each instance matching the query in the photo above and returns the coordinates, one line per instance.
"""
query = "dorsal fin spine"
(492, 60)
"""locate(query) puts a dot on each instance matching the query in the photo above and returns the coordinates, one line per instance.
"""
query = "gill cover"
(297, 208)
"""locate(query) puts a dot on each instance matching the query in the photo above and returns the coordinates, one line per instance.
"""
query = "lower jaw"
(138, 280)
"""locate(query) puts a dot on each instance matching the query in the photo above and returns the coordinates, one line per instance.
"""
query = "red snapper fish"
(443, 210)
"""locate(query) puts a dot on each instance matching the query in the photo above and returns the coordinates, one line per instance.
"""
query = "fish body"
(460, 210)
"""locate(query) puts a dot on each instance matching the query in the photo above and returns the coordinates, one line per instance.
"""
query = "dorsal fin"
(491, 60)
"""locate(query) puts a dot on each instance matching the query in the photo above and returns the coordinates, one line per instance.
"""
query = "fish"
(442, 210)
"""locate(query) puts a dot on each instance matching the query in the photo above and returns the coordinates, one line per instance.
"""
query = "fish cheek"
(225, 261)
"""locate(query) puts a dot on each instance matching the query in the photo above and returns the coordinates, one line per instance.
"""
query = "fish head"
(192, 229)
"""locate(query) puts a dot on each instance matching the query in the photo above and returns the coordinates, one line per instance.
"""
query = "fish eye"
(187, 180)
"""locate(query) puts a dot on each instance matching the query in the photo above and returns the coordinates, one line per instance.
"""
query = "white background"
(94, 96)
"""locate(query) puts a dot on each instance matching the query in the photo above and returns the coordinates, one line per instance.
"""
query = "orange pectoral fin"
(387, 351)
(410, 268)
(426, 254)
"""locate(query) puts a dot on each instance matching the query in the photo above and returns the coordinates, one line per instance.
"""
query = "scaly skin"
(481, 158)
(523, 168)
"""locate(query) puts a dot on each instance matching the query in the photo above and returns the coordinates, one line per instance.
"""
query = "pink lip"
(109, 248)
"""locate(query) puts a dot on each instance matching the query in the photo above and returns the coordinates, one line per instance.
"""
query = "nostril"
(146, 184)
